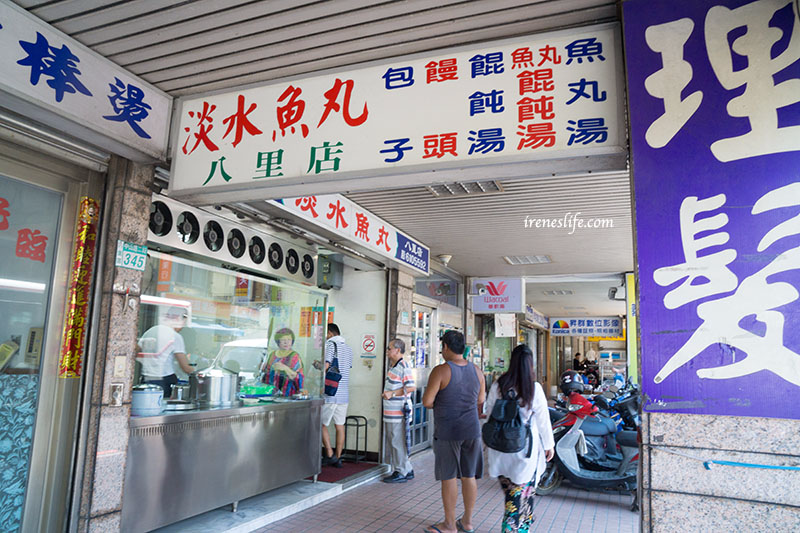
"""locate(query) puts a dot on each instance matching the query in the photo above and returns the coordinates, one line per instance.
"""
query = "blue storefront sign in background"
(714, 94)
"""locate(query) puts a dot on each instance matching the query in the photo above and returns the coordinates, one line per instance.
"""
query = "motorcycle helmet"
(571, 381)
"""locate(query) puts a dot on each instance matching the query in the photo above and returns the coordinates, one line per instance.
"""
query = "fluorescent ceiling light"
(25, 286)
(158, 300)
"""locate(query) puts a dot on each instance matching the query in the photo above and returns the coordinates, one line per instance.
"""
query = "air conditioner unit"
(177, 226)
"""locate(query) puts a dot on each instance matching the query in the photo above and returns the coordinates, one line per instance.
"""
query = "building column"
(401, 300)
(107, 443)
(680, 494)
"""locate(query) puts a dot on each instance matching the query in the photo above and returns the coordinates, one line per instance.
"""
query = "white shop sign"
(46, 68)
(336, 213)
(547, 96)
(498, 295)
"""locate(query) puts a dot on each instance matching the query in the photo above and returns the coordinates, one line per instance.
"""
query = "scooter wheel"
(550, 481)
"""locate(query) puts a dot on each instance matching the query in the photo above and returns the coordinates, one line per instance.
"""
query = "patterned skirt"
(518, 515)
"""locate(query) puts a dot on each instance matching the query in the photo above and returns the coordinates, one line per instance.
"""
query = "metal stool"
(356, 422)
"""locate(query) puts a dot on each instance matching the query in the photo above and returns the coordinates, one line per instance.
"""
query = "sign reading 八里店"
(336, 213)
(716, 86)
(105, 103)
(548, 96)
(498, 295)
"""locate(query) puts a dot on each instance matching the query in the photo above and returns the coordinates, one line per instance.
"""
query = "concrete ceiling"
(190, 47)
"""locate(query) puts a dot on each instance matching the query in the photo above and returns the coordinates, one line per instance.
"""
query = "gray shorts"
(457, 459)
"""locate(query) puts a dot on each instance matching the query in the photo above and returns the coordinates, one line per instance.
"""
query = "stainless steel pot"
(180, 392)
(214, 387)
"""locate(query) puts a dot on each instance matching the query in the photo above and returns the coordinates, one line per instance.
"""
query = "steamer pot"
(214, 387)
(147, 400)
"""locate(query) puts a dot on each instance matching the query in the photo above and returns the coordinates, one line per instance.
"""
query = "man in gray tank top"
(456, 392)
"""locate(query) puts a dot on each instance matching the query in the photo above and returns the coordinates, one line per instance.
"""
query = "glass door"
(422, 359)
(30, 227)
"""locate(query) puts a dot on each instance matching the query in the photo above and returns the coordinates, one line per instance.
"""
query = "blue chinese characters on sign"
(58, 64)
(129, 106)
(717, 88)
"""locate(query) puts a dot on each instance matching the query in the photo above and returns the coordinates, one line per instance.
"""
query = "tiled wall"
(681, 494)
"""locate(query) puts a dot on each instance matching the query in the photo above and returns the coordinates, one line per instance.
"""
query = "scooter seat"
(628, 438)
(598, 426)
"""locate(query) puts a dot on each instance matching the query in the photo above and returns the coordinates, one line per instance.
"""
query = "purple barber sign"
(714, 93)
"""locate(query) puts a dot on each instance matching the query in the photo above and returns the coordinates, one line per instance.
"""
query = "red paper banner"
(72, 345)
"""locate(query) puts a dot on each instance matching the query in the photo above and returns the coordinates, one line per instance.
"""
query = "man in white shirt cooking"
(159, 346)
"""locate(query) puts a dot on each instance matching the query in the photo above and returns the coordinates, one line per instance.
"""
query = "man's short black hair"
(333, 328)
(454, 340)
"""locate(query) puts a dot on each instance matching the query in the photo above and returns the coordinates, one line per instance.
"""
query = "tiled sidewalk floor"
(380, 507)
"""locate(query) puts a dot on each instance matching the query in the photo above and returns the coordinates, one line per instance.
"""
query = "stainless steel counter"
(184, 463)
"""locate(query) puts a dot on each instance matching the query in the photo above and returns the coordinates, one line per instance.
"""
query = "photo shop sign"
(716, 86)
(555, 95)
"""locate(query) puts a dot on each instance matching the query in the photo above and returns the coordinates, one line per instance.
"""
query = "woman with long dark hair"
(519, 473)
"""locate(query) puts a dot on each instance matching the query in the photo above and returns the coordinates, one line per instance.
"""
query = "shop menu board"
(715, 86)
(549, 95)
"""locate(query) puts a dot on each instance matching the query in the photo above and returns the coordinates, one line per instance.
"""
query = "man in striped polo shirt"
(397, 388)
(335, 407)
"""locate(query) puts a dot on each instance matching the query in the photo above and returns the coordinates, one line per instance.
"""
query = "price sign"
(131, 255)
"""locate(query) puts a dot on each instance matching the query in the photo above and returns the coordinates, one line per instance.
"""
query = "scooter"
(616, 471)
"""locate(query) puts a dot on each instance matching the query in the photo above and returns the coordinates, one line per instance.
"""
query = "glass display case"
(266, 331)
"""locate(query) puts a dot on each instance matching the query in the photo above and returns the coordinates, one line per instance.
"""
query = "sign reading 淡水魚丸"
(44, 67)
(716, 87)
(344, 217)
(547, 96)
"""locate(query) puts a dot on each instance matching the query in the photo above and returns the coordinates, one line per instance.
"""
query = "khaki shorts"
(334, 411)
(457, 459)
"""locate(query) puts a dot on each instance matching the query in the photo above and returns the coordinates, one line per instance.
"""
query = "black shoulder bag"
(332, 375)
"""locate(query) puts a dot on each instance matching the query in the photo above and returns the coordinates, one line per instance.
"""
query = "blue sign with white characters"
(412, 253)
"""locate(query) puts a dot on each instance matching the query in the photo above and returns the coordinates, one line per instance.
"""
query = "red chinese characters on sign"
(72, 345)
(362, 226)
(541, 106)
(240, 121)
(337, 211)
(536, 81)
(439, 145)
(548, 54)
(308, 203)
(332, 95)
(204, 127)
(290, 112)
(4, 214)
(31, 244)
(383, 238)
(536, 135)
(522, 58)
(442, 70)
